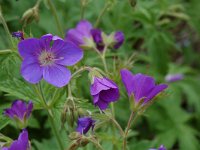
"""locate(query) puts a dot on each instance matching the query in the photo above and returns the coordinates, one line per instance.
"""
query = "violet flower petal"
(56, 75)
(29, 47)
(31, 70)
(66, 53)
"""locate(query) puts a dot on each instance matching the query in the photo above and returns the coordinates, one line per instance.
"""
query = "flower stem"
(42, 98)
(6, 51)
(80, 70)
(107, 5)
(53, 10)
(3, 21)
(83, 5)
(98, 146)
(118, 126)
(127, 129)
(55, 131)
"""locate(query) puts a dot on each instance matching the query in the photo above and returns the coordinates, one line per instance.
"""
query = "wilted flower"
(104, 91)
(160, 148)
(174, 77)
(41, 60)
(84, 125)
(80, 35)
(142, 87)
(21, 143)
(18, 34)
(20, 112)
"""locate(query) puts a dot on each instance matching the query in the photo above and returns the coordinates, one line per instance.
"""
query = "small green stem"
(118, 126)
(5, 51)
(42, 98)
(98, 146)
(107, 5)
(127, 129)
(55, 131)
(53, 10)
(83, 5)
(80, 70)
(3, 21)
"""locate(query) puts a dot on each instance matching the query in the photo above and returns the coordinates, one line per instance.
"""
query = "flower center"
(46, 58)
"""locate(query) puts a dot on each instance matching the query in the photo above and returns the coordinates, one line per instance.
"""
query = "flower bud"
(20, 112)
(30, 15)
(18, 34)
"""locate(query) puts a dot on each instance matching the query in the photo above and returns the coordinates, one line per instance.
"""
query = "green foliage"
(163, 35)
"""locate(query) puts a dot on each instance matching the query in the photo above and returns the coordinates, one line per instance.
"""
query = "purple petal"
(119, 38)
(97, 37)
(157, 89)
(110, 95)
(29, 47)
(95, 98)
(31, 70)
(84, 124)
(45, 41)
(66, 53)
(84, 26)
(102, 104)
(174, 77)
(29, 108)
(78, 34)
(56, 75)
(143, 85)
(19, 108)
(22, 142)
(97, 86)
(127, 79)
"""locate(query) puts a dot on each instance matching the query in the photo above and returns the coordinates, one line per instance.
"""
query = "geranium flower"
(141, 86)
(18, 34)
(21, 143)
(104, 91)
(84, 35)
(20, 112)
(41, 60)
(84, 125)
(81, 34)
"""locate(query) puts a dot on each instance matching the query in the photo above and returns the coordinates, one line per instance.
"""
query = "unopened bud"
(30, 15)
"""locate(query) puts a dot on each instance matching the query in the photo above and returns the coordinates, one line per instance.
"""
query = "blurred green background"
(163, 35)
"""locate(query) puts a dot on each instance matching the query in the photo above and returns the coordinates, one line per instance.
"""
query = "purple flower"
(174, 77)
(98, 40)
(119, 39)
(21, 143)
(19, 35)
(104, 91)
(20, 111)
(80, 34)
(84, 125)
(141, 86)
(160, 148)
(41, 60)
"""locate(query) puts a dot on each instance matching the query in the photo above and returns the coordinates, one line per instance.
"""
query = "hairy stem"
(127, 129)
(107, 5)
(53, 10)
(118, 126)
(80, 70)
(3, 21)
(41, 96)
